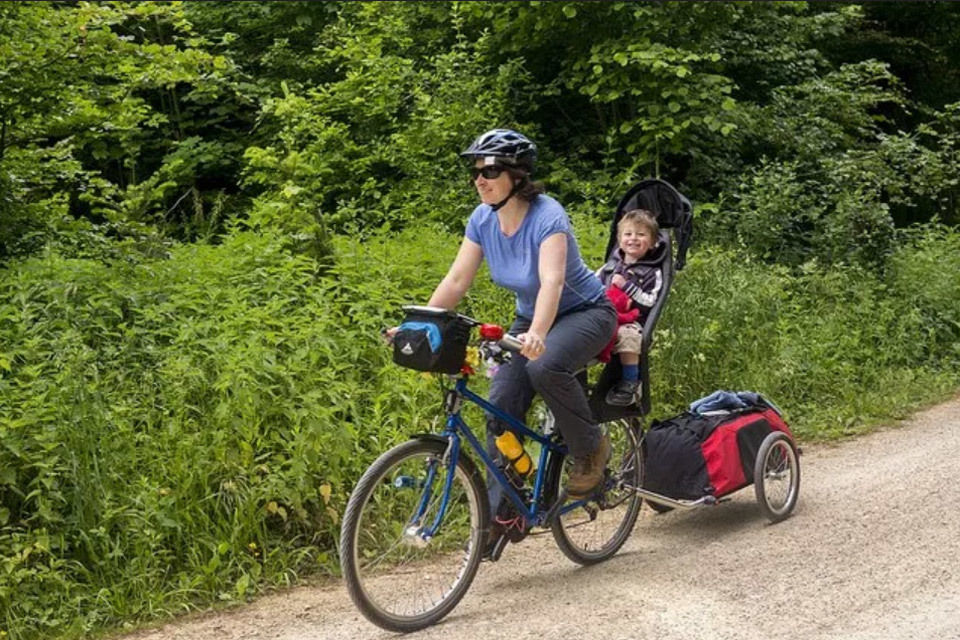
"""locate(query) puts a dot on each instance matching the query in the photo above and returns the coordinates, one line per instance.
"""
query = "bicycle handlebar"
(510, 343)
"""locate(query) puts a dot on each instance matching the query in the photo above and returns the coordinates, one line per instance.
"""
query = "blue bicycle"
(416, 524)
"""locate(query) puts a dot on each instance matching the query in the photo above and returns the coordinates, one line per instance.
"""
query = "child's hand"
(618, 281)
(387, 334)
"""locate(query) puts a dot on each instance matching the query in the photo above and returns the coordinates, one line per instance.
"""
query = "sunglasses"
(490, 172)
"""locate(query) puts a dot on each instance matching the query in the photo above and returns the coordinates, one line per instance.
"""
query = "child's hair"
(643, 219)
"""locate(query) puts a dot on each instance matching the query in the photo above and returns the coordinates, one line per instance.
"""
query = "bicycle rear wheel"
(396, 578)
(596, 529)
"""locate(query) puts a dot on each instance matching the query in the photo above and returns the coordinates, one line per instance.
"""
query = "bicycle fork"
(416, 533)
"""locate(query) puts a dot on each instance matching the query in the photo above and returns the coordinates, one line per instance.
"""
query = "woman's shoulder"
(548, 205)
(550, 215)
(483, 213)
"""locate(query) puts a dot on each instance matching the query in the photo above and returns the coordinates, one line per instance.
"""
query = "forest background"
(209, 209)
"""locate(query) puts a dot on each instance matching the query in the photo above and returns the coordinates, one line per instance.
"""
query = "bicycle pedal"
(494, 553)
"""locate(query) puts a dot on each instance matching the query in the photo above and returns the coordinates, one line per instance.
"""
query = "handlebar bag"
(433, 341)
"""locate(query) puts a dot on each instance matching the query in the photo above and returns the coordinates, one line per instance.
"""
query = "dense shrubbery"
(185, 430)
(208, 211)
(838, 349)
(180, 430)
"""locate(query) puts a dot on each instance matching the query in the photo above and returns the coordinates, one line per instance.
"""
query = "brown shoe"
(588, 472)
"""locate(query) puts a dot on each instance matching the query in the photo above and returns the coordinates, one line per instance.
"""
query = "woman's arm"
(460, 276)
(552, 269)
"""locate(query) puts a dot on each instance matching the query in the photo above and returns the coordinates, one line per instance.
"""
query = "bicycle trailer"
(703, 455)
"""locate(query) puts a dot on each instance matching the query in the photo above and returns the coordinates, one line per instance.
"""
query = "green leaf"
(243, 583)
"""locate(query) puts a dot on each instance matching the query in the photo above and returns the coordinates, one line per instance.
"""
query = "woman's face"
(492, 189)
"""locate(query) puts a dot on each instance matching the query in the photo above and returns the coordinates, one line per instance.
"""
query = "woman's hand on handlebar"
(533, 346)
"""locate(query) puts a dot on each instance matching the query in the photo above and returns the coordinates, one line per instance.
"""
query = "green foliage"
(919, 41)
(347, 116)
(95, 108)
(665, 95)
(830, 176)
(379, 144)
(184, 430)
(220, 201)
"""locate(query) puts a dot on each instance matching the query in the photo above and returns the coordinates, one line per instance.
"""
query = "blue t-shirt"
(514, 261)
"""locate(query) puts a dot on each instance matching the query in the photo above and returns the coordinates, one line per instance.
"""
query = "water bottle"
(514, 453)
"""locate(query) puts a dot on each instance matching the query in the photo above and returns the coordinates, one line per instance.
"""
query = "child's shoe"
(624, 394)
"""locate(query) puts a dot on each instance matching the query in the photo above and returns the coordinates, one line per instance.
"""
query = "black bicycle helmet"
(504, 145)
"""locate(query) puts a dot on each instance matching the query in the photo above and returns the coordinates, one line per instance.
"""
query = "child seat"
(674, 214)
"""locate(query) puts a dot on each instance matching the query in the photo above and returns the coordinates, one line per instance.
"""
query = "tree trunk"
(3, 134)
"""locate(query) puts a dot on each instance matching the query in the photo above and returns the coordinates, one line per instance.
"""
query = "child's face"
(635, 241)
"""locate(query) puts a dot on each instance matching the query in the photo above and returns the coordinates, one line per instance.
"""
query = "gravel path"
(872, 552)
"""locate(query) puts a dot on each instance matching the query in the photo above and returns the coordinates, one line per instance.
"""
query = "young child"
(633, 273)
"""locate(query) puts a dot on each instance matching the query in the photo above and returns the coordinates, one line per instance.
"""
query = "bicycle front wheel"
(399, 577)
(595, 529)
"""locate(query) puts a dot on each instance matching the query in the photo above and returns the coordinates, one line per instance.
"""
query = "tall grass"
(184, 431)
(838, 350)
(181, 431)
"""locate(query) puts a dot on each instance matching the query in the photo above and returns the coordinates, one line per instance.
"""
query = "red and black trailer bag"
(690, 455)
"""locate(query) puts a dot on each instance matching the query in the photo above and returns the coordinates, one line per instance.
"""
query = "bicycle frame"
(457, 429)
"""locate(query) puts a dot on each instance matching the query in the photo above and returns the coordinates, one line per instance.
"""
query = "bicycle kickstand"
(498, 548)
(555, 509)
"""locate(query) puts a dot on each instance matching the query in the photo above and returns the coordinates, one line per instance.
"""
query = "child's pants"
(629, 338)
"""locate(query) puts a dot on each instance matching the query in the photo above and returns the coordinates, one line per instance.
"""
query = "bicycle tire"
(777, 461)
(621, 504)
(376, 545)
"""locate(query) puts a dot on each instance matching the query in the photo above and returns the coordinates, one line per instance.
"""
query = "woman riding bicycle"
(418, 524)
(563, 317)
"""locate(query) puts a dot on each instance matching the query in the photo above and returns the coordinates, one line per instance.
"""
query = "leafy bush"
(183, 424)
(179, 431)
(838, 350)
(379, 144)
(182, 430)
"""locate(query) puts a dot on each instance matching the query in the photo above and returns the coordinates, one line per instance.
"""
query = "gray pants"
(574, 339)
